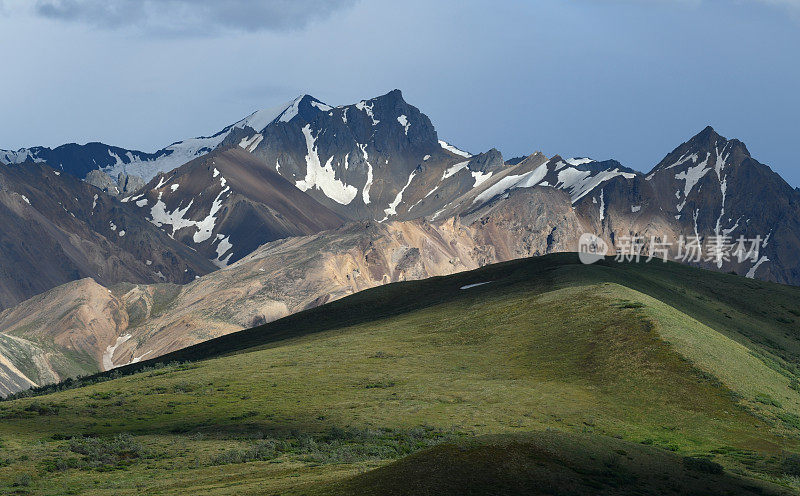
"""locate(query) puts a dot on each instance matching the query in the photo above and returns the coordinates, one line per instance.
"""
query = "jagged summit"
(78, 160)
(708, 132)
(394, 96)
(707, 147)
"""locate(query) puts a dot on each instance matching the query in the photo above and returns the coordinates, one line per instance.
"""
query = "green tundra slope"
(550, 378)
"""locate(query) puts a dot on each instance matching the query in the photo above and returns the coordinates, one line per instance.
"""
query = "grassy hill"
(550, 363)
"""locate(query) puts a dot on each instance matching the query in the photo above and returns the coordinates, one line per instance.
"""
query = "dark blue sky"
(619, 79)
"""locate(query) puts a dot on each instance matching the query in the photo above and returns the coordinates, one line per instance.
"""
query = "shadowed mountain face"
(57, 229)
(712, 186)
(228, 203)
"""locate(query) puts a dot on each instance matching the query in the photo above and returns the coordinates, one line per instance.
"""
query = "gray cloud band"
(192, 16)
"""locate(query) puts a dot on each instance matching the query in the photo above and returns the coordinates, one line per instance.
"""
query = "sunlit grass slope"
(672, 360)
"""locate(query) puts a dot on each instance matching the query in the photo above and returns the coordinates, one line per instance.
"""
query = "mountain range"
(112, 256)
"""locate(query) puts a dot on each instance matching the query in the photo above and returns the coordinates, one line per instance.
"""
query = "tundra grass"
(547, 463)
(303, 404)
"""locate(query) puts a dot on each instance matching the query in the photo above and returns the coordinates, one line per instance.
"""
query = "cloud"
(197, 17)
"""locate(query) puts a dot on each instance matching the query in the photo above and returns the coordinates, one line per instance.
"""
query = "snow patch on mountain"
(108, 355)
(691, 176)
(323, 107)
(364, 107)
(223, 247)
(752, 272)
(160, 216)
(454, 169)
(252, 142)
(469, 286)
(602, 206)
(392, 209)
(578, 182)
(526, 180)
(290, 112)
(323, 177)
(403, 120)
(452, 149)
(368, 184)
(12, 157)
(177, 219)
(480, 177)
(578, 161)
(206, 226)
(723, 186)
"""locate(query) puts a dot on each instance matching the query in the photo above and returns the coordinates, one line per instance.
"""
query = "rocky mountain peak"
(516, 160)
(393, 97)
(707, 135)
(708, 140)
(707, 148)
(487, 161)
(304, 109)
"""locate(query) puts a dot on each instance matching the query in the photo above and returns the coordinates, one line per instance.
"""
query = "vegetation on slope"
(687, 363)
(547, 463)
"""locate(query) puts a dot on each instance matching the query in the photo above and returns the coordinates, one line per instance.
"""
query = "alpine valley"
(112, 256)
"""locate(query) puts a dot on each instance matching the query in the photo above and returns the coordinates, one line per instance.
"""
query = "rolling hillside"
(644, 377)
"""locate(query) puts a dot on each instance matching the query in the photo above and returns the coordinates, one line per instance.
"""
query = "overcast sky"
(623, 79)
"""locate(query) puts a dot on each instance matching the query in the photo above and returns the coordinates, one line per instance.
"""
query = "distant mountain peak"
(709, 140)
(706, 139)
(708, 130)
(393, 96)
(305, 106)
(487, 161)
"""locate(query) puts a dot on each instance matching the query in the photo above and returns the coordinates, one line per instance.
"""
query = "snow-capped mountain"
(79, 160)
(227, 203)
(708, 188)
(712, 186)
(359, 160)
(381, 159)
(308, 166)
